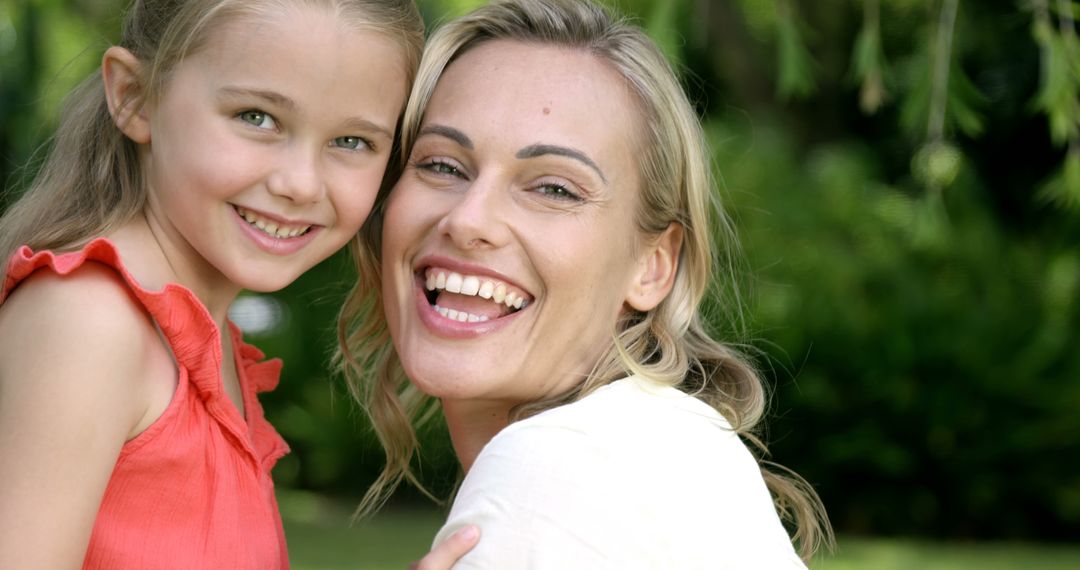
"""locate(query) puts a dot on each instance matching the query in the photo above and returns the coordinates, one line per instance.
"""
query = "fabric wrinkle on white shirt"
(634, 475)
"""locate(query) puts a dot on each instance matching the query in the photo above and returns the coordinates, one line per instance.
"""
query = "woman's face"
(509, 244)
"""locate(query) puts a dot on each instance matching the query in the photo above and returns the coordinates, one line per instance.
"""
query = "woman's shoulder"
(632, 430)
(657, 470)
(635, 412)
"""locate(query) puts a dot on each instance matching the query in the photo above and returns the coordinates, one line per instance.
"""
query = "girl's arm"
(72, 390)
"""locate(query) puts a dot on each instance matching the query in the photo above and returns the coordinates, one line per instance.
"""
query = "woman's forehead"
(532, 91)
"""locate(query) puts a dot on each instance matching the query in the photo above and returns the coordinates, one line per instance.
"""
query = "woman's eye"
(351, 143)
(441, 167)
(257, 118)
(557, 191)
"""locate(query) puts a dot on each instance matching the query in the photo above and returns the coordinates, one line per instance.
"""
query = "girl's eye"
(351, 143)
(557, 191)
(258, 118)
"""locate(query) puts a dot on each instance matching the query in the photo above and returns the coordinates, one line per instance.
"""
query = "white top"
(631, 476)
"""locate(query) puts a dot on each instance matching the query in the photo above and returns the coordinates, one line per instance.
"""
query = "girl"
(543, 261)
(224, 145)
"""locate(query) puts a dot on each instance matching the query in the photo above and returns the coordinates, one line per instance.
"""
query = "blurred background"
(905, 178)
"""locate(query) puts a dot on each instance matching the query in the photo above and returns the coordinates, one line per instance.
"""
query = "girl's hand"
(443, 556)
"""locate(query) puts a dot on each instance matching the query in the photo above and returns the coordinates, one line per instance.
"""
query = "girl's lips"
(273, 244)
(253, 215)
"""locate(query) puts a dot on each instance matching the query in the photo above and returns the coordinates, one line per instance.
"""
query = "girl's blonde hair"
(670, 344)
(91, 181)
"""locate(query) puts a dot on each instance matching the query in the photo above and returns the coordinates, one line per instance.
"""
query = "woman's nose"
(298, 177)
(477, 218)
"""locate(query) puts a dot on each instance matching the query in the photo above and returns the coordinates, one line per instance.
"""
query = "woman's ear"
(125, 94)
(656, 269)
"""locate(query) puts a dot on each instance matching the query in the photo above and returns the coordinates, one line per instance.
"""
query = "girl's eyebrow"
(283, 101)
(362, 124)
(269, 96)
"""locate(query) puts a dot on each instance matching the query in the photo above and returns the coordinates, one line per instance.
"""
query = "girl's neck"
(155, 260)
(472, 424)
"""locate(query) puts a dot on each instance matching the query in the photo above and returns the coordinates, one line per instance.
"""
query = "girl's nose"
(298, 177)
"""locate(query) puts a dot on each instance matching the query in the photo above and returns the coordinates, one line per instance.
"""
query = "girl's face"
(267, 147)
(509, 243)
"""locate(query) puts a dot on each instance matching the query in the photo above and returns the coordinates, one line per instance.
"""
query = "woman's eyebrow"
(536, 150)
(448, 132)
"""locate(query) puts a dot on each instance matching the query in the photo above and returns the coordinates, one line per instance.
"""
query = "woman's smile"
(465, 300)
(510, 223)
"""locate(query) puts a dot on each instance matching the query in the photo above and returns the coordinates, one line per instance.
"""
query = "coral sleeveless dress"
(192, 491)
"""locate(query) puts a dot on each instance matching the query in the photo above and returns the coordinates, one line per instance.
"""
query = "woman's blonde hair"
(91, 181)
(670, 344)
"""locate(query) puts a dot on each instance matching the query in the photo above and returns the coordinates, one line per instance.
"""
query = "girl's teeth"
(271, 228)
(486, 290)
(499, 294)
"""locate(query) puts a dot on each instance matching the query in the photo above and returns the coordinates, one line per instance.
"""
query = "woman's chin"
(443, 385)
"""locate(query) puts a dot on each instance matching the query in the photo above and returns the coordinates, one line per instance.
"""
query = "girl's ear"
(124, 93)
(656, 270)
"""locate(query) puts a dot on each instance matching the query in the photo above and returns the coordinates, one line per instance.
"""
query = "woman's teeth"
(461, 316)
(271, 227)
(472, 286)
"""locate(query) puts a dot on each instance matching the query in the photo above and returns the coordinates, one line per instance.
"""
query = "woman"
(543, 259)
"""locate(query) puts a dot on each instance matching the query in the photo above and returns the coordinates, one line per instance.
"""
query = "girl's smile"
(276, 235)
(267, 147)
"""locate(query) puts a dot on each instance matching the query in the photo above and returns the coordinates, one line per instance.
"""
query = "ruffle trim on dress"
(191, 334)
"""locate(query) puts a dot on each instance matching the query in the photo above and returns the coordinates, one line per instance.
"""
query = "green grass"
(893, 554)
(320, 538)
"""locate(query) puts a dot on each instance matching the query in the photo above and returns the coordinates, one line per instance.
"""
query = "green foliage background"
(912, 242)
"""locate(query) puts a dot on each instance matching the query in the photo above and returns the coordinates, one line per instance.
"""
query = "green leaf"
(1063, 187)
(1059, 83)
(868, 69)
(964, 99)
(796, 65)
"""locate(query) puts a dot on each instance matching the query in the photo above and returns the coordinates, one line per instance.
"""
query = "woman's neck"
(472, 424)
